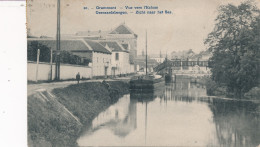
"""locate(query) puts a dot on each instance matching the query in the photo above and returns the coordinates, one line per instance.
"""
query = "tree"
(45, 54)
(32, 52)
(235, 44)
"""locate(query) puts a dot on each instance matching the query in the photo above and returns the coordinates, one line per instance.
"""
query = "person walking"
(78, 77)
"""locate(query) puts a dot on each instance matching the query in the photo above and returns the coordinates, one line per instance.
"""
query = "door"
(106, 72)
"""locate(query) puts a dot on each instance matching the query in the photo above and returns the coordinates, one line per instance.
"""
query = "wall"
(123, 65)
(132, 68)
(66, 71)
(99, 63)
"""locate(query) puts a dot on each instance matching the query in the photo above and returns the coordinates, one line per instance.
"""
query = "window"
(117, 56)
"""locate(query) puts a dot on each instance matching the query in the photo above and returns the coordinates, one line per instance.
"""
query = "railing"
(180, 64)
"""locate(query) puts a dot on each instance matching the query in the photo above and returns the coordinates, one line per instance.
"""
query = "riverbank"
(220, 90)
(57, 118)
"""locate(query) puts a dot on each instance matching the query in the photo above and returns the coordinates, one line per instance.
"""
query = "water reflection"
(119, 118)
(176, 114)
(237, 122)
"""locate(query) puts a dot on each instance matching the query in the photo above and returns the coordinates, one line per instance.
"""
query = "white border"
(13, 104)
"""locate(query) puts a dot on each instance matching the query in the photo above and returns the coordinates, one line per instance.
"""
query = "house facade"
(101, 59)
(120, 63)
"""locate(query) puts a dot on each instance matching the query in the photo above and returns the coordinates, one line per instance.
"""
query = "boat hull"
(141, 84)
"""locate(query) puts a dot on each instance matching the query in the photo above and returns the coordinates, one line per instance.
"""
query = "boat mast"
(166, 62)
(146, 51)
(160, 57)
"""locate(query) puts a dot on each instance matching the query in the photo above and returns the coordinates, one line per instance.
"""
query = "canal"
(177, 114)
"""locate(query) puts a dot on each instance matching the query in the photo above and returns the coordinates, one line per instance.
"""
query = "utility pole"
(51, 66)
(146, 50)
(57, 68)
(38, 58)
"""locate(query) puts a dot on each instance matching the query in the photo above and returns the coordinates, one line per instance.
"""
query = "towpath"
(33, 88)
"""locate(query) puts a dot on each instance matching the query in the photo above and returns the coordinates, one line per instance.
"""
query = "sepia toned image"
(143, 73)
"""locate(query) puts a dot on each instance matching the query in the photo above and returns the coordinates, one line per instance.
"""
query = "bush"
(214, 89)
(254, 93)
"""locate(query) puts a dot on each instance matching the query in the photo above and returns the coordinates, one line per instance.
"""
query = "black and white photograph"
(143, 73)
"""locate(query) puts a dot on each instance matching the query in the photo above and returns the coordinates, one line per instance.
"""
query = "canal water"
(176, 114)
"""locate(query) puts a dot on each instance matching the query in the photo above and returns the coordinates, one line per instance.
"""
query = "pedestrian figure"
(106, 84)
(78, 77)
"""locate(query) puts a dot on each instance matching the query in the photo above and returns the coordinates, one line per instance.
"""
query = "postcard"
(143, 73)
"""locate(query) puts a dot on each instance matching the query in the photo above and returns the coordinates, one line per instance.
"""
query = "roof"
(92, 33)
(68, 45)
(97, 47)
(125, 46)
(122, 29)
(115, 46)
(72, 45)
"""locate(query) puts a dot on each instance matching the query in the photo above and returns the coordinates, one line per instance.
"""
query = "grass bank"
(49, 125)
(215, 89)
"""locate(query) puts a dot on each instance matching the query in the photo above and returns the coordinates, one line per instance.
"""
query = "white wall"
(122, 64)
(70, 71)
(132, 68)
(99, 62)
(66, 71)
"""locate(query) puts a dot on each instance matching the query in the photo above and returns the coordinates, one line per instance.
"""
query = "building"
(92, 53)
(92, 35)
(159, 58)
(120, 63)
(126, 37)
(122, 34)
(183, 55)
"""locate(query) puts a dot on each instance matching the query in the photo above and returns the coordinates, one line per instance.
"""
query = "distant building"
(158, 59)
(93, 35)
(140, 61)
(202, 56)
(182, 54)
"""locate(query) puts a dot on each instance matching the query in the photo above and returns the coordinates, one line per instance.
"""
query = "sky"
(186, 28)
